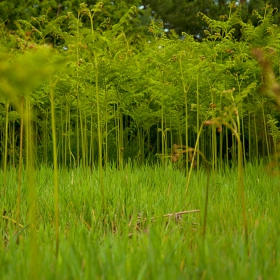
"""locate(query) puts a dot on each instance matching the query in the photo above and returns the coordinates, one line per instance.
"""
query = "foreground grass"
(132, 239)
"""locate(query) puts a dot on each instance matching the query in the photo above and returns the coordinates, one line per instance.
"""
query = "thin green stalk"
(197, 120)
(82, 136)
(55, 165)
(265, 131)
(158, 139)
(77, 96)
(162, 124)
(45, 138)
(241, 188)
(66, 135)
(13, 144)
(91, 148)
(186, 90)
(249, 134)
(106, 127)
(6, 148)
(120, 142)
(99, 132)
(20, 161)
(86, 141)
(186, 104)
(243, 136)
(69, 143)
(32, 197)
(241, 182)
(194, 150)
(100, 168)
(194, 155)
(61, 155)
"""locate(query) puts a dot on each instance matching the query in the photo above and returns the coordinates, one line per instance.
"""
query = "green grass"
(132, 239)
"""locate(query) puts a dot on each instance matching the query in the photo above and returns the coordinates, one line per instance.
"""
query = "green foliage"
(274, 129)
(153, 91)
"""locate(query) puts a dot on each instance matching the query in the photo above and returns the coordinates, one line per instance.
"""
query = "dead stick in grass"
(12, 220)
(181, 213)
(176, 214)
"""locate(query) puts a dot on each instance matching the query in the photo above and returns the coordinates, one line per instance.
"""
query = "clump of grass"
(134, 239)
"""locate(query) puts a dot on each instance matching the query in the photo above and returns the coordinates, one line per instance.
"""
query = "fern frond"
(274, 130)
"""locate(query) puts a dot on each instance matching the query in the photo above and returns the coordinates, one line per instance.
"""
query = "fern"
(274, 129)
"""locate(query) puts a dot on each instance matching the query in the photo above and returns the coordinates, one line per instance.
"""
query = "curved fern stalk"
(195, 150)
(192, 160)
(180, 149)
(241, 193)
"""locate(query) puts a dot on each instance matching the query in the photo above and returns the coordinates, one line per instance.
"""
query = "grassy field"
(75, 94)
(131, 238)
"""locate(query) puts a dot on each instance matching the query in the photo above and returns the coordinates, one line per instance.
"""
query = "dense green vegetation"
(108, 125)
(138, 93)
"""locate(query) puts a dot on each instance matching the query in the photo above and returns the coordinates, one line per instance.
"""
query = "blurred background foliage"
(180, 16)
